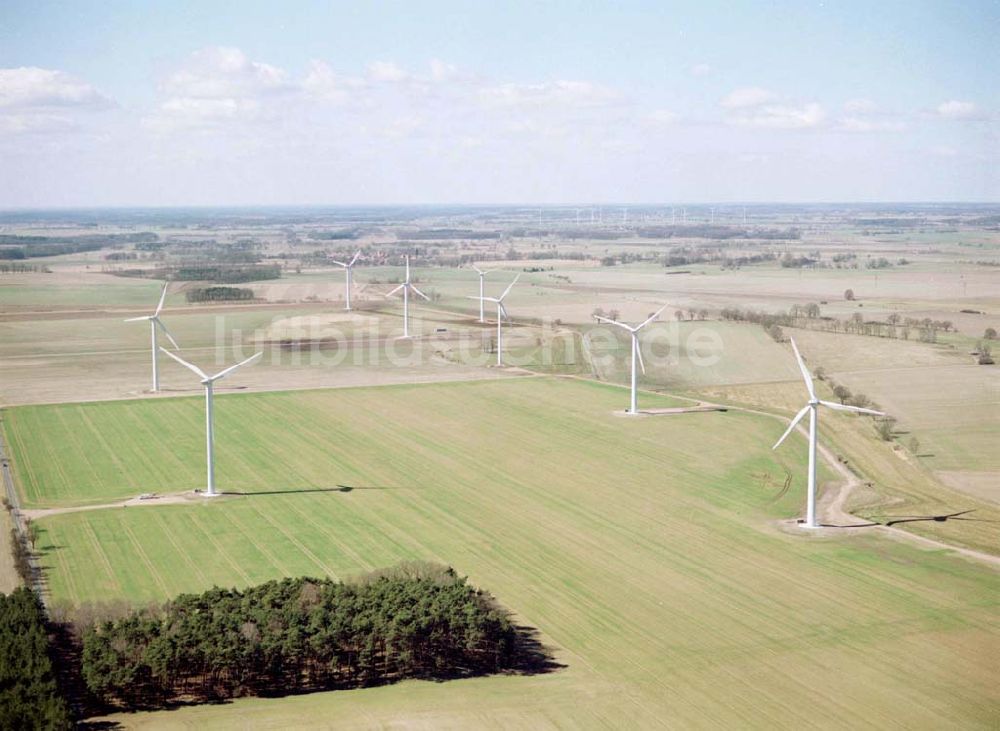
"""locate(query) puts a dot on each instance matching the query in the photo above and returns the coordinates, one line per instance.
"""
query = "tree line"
(29, 693)
(11, 267)
(218, 294)
(25, 247)
(223, 274)
(292, 635)
(809, 317)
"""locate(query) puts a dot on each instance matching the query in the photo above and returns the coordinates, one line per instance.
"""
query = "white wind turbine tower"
(812, 408)
(482, 275)
(208, 381)
(501, 315)
(348, 276)
(407, 287)
(636, 353)
(155, 322)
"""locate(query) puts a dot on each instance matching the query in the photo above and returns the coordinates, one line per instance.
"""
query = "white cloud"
(868, 124)
(700, 70)
(29, 87)
(387, 72)
(864, 115)
(218, 86)
(557, 94)
(223, 72)
(753, 106)
(37, 122)
(778, 116)
(860, 106)
(747, 97)
(441, 71)
(955, 109)
(45, 100)
(323, 82)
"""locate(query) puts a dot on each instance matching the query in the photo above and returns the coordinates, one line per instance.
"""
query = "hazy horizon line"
(577, 205)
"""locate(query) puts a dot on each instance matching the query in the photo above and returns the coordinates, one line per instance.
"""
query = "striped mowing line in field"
(327, 571)
(106, 447)
(331, 536)
(95, 542)
(19, 456)
(260, 546)
(145, 559)
(179, 550)
(219, 553)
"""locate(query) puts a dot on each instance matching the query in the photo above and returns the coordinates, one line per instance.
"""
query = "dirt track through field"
(135, 502)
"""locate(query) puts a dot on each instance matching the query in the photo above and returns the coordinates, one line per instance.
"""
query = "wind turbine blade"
(189, 366)
(230, 369)
(478, 299)
(795, 421)
(390, 294)
(855, 409)
(509, 287)
(407, 270)
(355, 258)
(612, 322)
(420, 293)
(166, 332)
(163, 297)
(805, 371)
(137, 319)
(649, 319)
(478, 270)
(503, 311)
(638, 352)
(339, 263)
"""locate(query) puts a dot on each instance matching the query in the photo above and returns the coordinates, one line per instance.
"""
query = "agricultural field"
(938, 393)
(685, 356)
(657, 556)
(637, 547)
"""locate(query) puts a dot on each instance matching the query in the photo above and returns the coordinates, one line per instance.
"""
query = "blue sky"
(108, 103)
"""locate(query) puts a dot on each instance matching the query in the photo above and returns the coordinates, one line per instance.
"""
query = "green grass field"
(645, 550)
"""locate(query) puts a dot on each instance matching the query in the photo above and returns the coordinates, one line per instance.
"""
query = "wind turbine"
(501, 315)
(208, 381)
(407, 287)
(348, 275)
(155, 322)
(636, 353)
(482, 275)
(812, 408)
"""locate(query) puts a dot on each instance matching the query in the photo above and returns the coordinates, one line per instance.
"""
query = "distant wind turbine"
(348, 276)
(208, 381)
(155, 322)
(636, 353)
(482, 276)
(812, 408)
(406, 286)
(501, 316)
